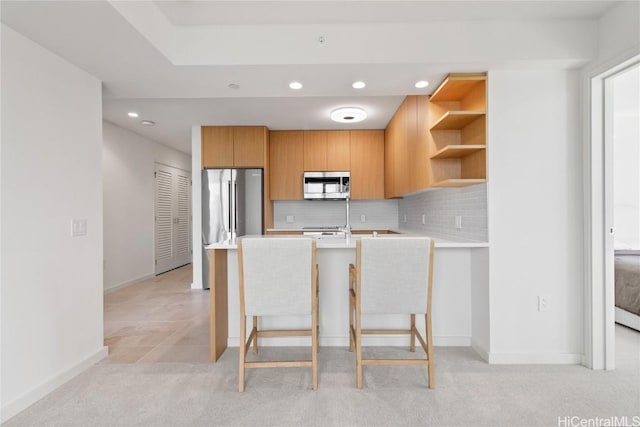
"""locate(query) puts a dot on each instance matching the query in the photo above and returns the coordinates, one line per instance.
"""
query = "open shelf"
(457, 151)
(456, 86)
(458, 182)
(454, 120)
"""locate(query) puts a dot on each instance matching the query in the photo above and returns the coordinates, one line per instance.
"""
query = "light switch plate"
(78, 227)
(363, 218)
(290, 219)
(459, 222)
(424, 219)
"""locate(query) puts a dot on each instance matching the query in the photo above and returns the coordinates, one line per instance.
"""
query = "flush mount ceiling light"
(421, 84)
(348, 115)
(295, 85)
(358, 85)
(147, 123)
(132, 114)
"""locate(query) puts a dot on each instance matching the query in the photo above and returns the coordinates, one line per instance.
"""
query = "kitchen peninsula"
(460, 280)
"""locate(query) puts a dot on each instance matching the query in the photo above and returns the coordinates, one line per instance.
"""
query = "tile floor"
(158, 320)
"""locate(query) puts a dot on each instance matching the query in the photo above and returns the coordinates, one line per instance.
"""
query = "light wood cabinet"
(286, 164)
(233, 146)
(457, 111)
(326, 150)
(367, 164)
(338, 150)
(248, 146)
(217, 146)
(401, 148)
(315, 150)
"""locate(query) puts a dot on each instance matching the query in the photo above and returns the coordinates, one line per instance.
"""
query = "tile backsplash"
(440, 208)
(378, 214)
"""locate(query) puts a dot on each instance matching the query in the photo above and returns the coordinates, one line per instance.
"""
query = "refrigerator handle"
(229, 210)
(235, 207)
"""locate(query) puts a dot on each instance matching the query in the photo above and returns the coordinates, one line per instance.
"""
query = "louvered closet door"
(173, 218)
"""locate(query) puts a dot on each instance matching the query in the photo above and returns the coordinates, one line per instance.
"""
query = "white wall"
(51, 172)
(535, 195)
(128, 166)
(619, 31)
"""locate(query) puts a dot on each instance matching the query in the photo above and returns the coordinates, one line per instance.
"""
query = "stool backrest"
(395, 274)
(276, 275)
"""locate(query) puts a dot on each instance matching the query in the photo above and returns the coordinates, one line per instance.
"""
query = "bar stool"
(278, 277)
(392, 275)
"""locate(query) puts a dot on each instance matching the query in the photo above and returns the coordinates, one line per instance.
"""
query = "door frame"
(599, 296)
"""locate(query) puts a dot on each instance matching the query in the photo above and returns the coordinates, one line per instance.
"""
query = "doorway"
(600, 351)
(172, 218)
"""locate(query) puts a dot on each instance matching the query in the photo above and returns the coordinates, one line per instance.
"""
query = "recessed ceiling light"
(147, 123)
(132, 114)
(421, 84)
(358, 85)
(233, 86)
(295, 85)
(348, 115)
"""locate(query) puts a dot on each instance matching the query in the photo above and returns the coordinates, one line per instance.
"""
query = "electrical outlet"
(363, 218)
(543, 303)
(290, 219)
(459, 222)
(424, 219)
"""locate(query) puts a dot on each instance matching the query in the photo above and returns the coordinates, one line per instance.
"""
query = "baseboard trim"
(535, 358)
(197, 286)
(343, 341)
(480, 350)
(128, 283)
(29, 398)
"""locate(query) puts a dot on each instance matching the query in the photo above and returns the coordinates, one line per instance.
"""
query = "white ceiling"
(172, 61)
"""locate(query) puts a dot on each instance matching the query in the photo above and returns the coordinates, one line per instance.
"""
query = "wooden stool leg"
(432, 381)
(243, 332)
(358, 361)
(255, 337)
(412, 343)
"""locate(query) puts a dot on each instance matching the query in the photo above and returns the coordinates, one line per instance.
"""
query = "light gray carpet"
(468, 392)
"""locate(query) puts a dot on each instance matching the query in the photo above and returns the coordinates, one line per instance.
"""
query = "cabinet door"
(338, 150)
(286, 165)
(217, 146)
(315, 150)
(391, 140)
(367, 164)
(248, 146)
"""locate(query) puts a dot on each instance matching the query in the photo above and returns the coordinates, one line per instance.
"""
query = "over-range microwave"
(326, 185)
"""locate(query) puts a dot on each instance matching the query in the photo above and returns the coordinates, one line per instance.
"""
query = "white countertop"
(329, 242)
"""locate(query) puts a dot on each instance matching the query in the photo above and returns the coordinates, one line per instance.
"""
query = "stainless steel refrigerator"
(231, 207)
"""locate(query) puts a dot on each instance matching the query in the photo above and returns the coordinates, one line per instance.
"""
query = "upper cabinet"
(286, 164)
(326, 150)
(367, 164)
(360, 152)
(457, 116)
(234, 146)
(404, 165)
(217, 146)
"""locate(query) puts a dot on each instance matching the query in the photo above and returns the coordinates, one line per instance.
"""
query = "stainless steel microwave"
(326, 185)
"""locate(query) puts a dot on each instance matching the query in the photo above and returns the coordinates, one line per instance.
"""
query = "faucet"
(347, 227)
